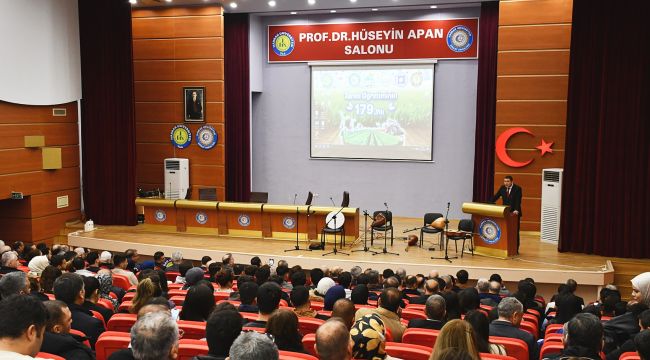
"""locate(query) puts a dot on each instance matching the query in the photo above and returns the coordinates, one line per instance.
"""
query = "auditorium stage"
(538, 260)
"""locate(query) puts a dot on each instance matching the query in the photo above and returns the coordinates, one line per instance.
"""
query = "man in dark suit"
(511, 311)
(69, 288)
(435, 310)
(511, 194)
(430, 288)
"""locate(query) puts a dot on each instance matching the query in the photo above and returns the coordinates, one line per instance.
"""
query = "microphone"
(448, 205)
(294, 198)
(332, 200)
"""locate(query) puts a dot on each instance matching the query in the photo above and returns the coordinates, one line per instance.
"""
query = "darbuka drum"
(380, 220)
(334, 224)
(413, 240)
(438, 223)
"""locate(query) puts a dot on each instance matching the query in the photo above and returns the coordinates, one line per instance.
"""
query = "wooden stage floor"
(538, 260)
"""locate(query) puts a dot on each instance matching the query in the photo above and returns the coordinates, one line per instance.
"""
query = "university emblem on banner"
(289, 223)
(283, 43)
(201, 217)
(459, 38)
(206, 137)
(181, 136)
(244, 220)
(489, 231)
(160, 215)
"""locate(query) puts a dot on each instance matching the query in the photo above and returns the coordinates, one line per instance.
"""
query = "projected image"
(380, 112)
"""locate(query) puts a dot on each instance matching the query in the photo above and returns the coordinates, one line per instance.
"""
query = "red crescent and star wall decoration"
(544, 147)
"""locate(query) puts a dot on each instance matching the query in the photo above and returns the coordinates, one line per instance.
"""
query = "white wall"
(280, 128)
(40, 62)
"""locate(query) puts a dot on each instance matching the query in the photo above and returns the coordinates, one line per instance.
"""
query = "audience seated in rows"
(435, 310)
(511, 312)
(388, 310)
(57, 339)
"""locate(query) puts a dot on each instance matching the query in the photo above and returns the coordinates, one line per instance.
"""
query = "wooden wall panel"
(40, 205)
(535, 12)
(535, 37)
(55, 134)
(174, 48)
(28, 114)
(532, 112)
(27, 160)
(533, 62)
(532, 87)
(172, 112)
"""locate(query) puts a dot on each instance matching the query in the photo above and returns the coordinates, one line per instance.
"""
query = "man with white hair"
(177, 259)
(252, 346)
(486, 298)
(153, 337)
(433, 274)
(105, 260)
(4, 249)
(15, 283)
(9, 262)
(511, 311)
(228, 261)
(81, 252)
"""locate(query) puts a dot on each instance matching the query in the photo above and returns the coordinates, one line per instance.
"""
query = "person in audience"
(462, 277)
(430, 288)
(298, 278)
(642, 343)
(176, 260)
(268, 300)
(369, 338)
(18, 247)
(526, 292)
(93, 261)
(199, 303)
(283, 325)
(435, 310)
(9, 262)
(48, 276)
(567, 306)
(504, 291)
(22, 327)
(193, 276)
(120, 263)
(573, 286)
(344, 309)
(225, 279)
(256, 261)
(248, 297)
(105, 278)
(79, 267)
(221, 330)
(456, 334)
(360, 294)
(451, 354)
(105, 260)
(15, 283)
(252, 345)
(511, 312)
(410, 288)
(315, 275)
(262, 274)
(333, 341)
(333, 294)
(583, 338)
(641, 289)
(182, 271)
(68, 257)
(132, 258)
(4, 249)
(153, 337)
(283, 272)
(301, 302)
(607, 304)
(205, 262)
(484, 294)
(91, 288)
(345, 280)
(69, 288)
(468, 300)
(57, 339)
(35, 289)
(481, 326)
(453, 307)
(160, 261)
(228, 261)
(145, 291)
(629, 345)
(37, 265)
(318, 294)
(388, 311)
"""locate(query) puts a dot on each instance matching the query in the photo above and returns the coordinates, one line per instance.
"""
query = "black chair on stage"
(310, 198)
(346, 199)
(388, 226)
(428, 219)
(329, 229)
(466, 225)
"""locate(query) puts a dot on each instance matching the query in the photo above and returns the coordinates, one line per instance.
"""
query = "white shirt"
(10, 355)
(131, 276)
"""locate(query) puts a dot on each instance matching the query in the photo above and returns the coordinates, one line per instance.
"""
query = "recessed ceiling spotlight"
(233, 5)
(311, 2)
(168, 1)
(133, 1)
(434, 6)
(272, 3)
(332, 11)
(374, 9)
(293, 13)
(353, 1)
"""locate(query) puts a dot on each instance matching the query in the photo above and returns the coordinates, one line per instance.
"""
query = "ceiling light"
(293, 13)
(168, 1)
(332, 11)
(311, 2)
(233, 5)
(272, 3)
(133, 1)
(434, 6)
(374, 9)
(353, 1)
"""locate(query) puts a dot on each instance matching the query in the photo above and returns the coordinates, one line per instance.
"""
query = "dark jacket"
(84, 321)
(7, 270)
(507, 329)
(209, 357)
(514, 200)
(66, 346)
(88, 305)
(124, 354)
(574, 352)
(426, 324)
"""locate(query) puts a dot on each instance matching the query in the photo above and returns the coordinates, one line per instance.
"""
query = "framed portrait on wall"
(194, 104)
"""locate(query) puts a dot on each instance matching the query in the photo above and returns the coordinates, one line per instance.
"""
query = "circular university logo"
(181, 136)
(283, 43)
(201, 217)
(459, 38)
(244, 220)
(489, 231)
(289, 222)
(160, 215)
(206, 137)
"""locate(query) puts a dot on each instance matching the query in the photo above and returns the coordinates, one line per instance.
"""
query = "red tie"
(508, 192)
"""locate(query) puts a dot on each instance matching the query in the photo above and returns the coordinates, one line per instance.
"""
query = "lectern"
(496, 229)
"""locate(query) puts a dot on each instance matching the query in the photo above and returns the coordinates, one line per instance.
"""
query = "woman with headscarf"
(323, 286)
(369, 337)
(105, 287)
(333, 294)
(37, 264)
(641, 288)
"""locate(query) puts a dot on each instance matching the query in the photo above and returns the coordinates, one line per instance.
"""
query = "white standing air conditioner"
(551, 204)
(177, 178)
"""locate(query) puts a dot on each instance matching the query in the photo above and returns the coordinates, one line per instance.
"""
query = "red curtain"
(486, 102)
(605, 197)
(107, 112)
(237, 102)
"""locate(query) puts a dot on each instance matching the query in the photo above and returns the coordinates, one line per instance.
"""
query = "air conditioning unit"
(177, 178)
(551, 204)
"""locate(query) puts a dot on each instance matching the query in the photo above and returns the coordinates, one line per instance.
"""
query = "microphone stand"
(446, 239)
(297, 247)
(384, 250)
(335, 251)
(365, 234)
